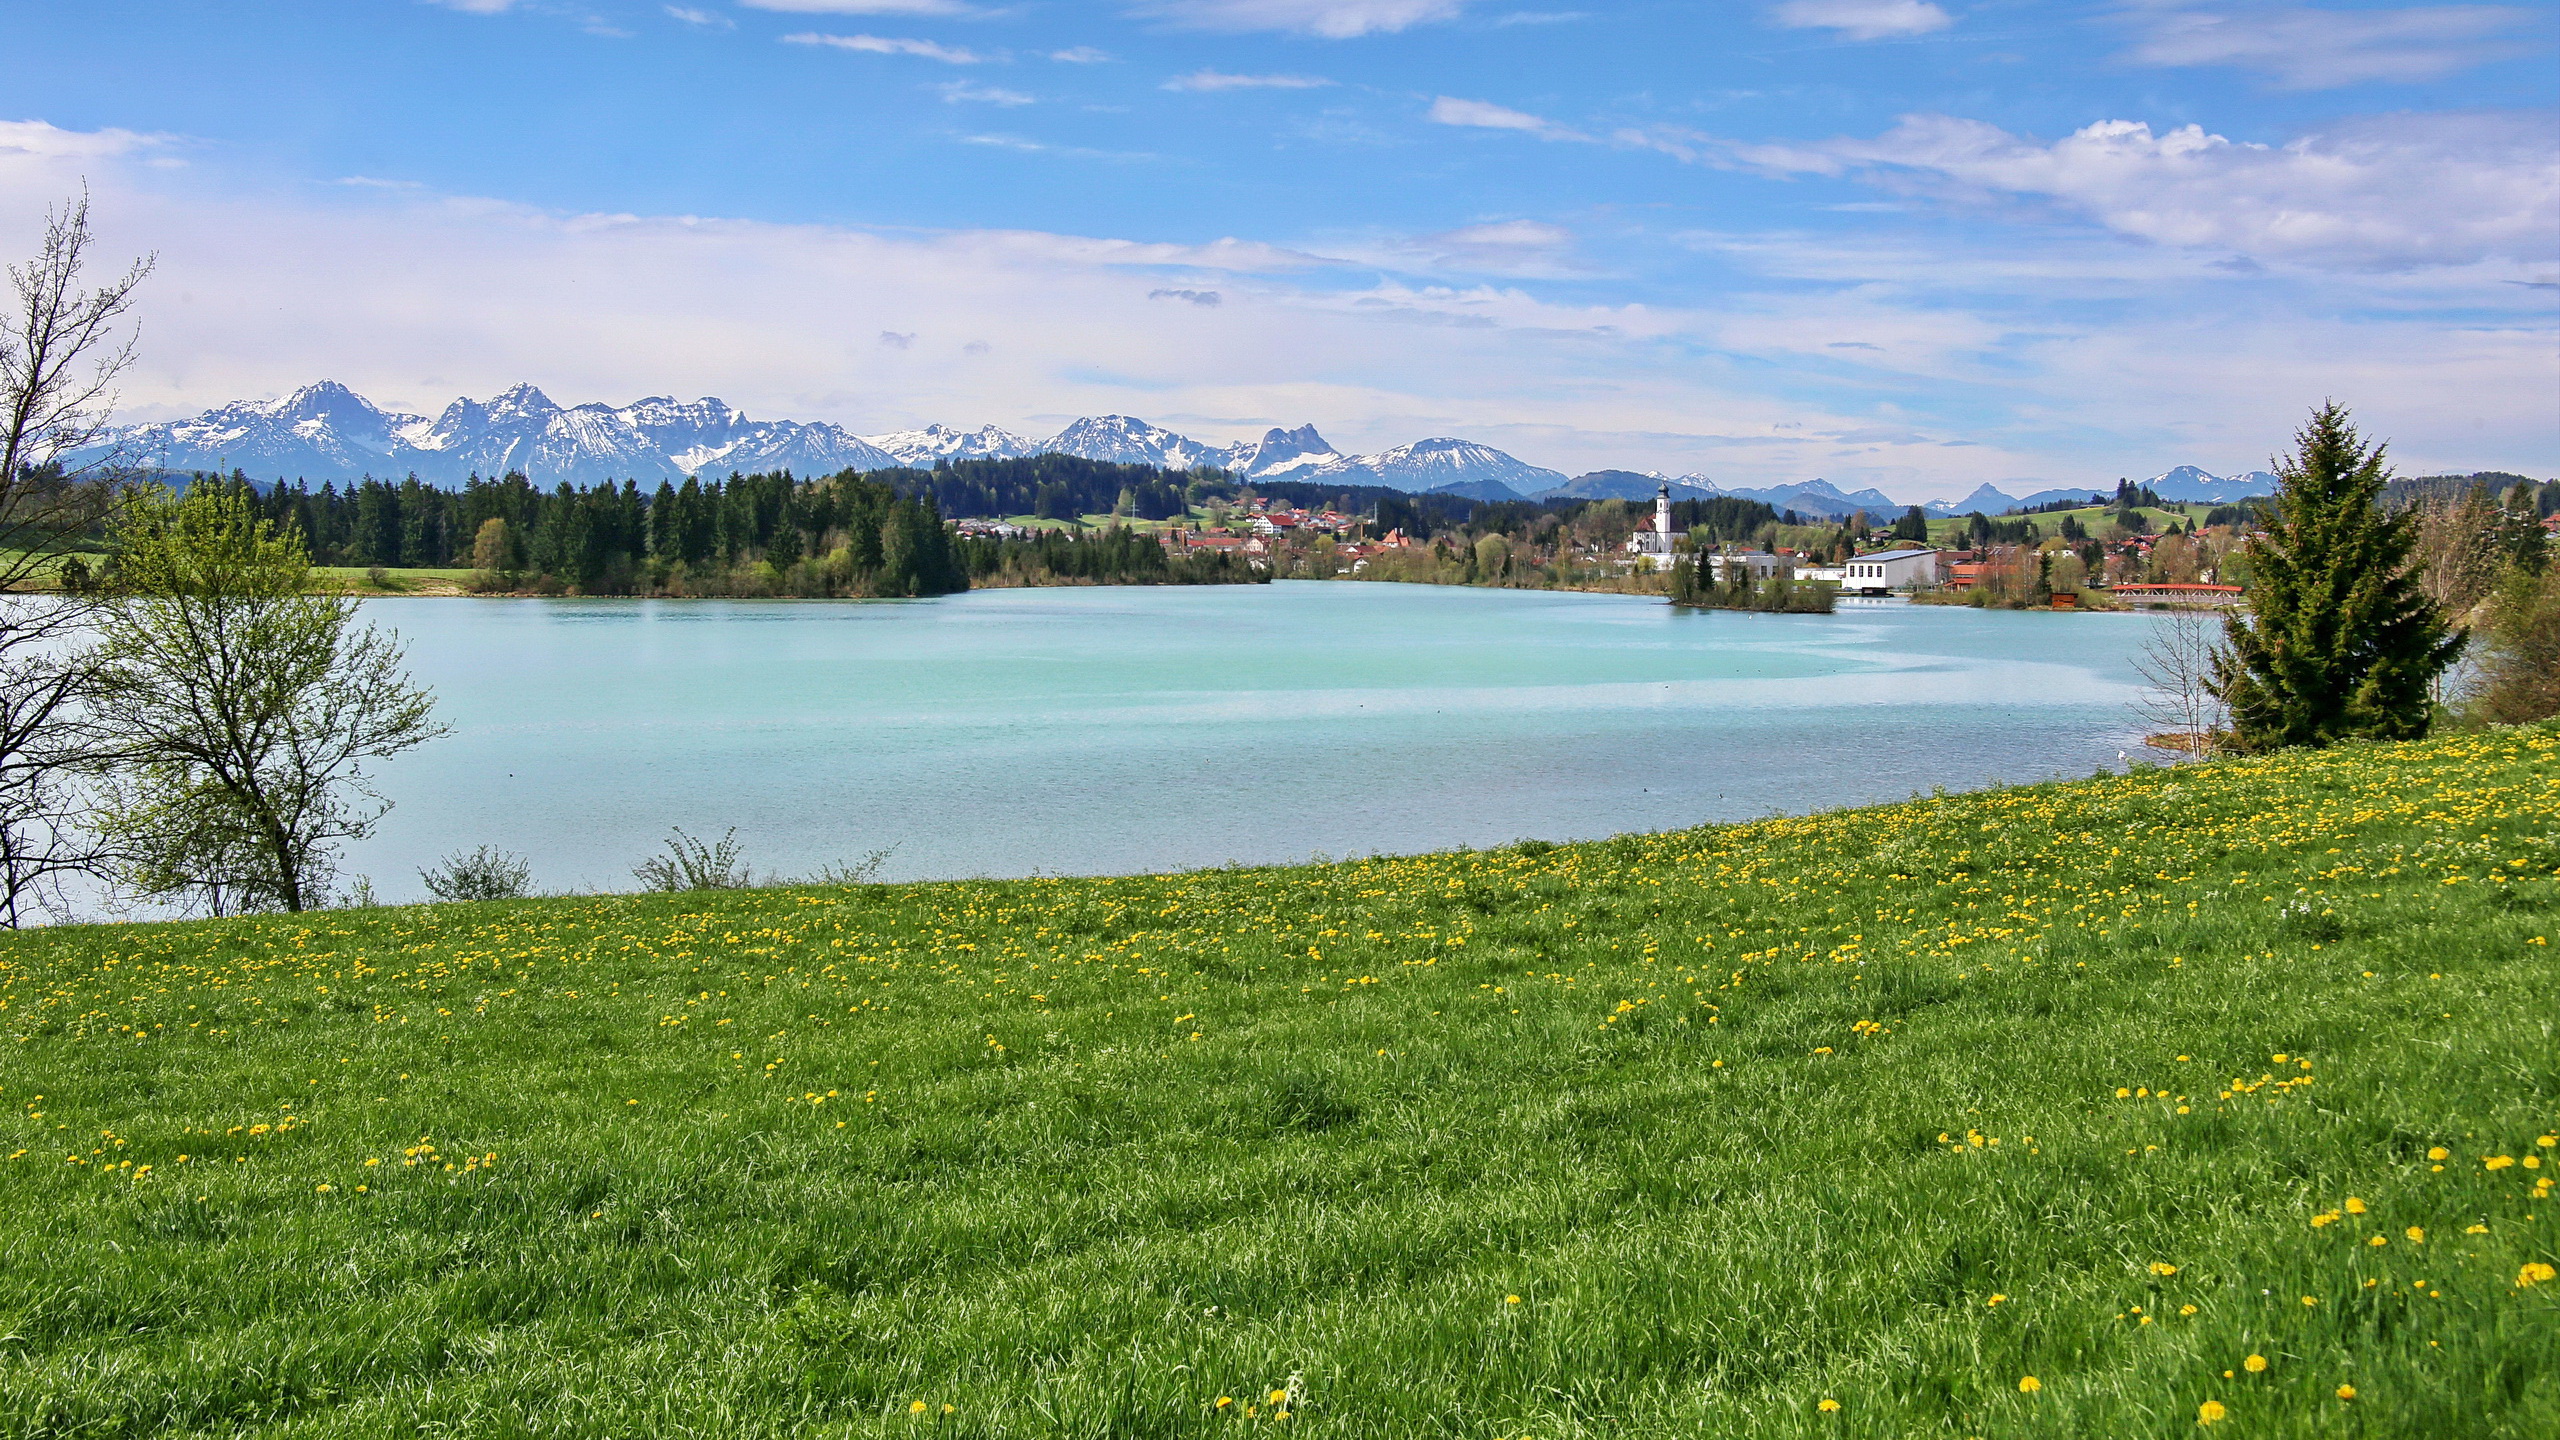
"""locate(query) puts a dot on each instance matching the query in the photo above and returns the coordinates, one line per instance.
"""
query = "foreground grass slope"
(1843, 1125)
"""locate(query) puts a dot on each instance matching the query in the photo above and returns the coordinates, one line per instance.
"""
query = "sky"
(1916, 244)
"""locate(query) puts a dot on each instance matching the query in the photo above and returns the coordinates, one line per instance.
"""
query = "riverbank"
(2057, 1111)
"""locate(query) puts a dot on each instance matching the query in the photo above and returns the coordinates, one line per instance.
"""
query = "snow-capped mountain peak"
(941, 442)
(1127, 440)
(1280, 453)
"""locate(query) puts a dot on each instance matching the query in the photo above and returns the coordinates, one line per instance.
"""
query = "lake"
(1101, 730)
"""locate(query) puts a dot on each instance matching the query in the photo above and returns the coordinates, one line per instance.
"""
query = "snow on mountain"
(1282, 454)
(328, 432)
(941, 442)
(2189, 483)
(319, 428)
(1431, 464)
(1126, 440)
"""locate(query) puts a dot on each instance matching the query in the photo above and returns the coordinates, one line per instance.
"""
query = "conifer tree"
(2336, 640)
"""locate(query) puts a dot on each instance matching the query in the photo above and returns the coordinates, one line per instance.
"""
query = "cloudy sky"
(1918, 244)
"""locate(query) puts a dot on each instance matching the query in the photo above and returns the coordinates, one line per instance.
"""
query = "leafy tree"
(1914, 525)
(2335, 640)
(235, 712)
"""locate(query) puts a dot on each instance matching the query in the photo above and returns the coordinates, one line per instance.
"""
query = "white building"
(1656, 542)
(1889, 570)
(1757, 564)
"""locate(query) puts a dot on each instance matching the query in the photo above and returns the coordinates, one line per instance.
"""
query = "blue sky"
(1895, 242)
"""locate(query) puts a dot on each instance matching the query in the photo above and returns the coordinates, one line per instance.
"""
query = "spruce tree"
(2335, 640)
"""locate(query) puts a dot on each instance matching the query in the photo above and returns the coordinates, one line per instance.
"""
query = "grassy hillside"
(2224, 1093)
(2096, 519)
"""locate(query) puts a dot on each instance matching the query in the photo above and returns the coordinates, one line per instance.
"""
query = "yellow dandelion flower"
(1279, 1395)
(2417, 1235)
(2163, 1267)
(2437, 1152)
(2211, 1412)
(1510, 1299)
(2346, 1392)
(916, 1407)
(2354, 1206)
(2535, 1273)
(2255, 1364)
(1828, 1405)
(2379, 1240)
(2028, 1384)
(2186, 1309)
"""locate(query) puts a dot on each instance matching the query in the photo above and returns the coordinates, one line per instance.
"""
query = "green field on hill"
(2096, 519)
(2219, 1096)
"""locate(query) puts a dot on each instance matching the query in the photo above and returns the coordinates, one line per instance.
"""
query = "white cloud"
(962, 92)
(2379, 193)
(1215, 80)
(1333, 19)
(863, 7)
(1080, 55)
(1516, 248)
(1863, 19)
(36, 140)
(1484, 115)
(704, 18)
(2307, 49)
(2446, 189)
(877, 45)
(476, 7)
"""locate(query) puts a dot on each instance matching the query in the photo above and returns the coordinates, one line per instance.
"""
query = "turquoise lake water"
(1135, 729)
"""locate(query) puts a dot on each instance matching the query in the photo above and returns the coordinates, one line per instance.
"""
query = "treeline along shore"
(881, 535)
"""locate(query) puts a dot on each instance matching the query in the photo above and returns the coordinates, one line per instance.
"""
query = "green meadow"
(2219, 1097)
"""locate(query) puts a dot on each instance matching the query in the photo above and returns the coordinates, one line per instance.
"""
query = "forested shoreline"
(845, 536)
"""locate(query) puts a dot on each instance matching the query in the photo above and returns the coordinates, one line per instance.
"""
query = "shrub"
(487, 873)
(691, 865)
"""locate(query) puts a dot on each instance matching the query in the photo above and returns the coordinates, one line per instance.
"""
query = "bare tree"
(2458, 556)
(2177, 664)
(60, 355)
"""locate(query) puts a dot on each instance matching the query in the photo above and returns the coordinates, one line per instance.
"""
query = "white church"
(1655, 543)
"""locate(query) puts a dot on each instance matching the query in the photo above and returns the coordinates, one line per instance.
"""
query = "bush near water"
(2218, 1094)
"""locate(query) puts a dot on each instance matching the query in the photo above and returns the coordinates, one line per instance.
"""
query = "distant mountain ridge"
(327, 432)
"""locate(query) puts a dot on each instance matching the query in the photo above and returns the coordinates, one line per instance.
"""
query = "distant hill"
(1624, 485)
(1489, 491)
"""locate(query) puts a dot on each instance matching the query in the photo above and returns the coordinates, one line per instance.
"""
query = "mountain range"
(325, 432)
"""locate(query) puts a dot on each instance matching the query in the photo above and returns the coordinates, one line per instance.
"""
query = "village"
(2134, 551)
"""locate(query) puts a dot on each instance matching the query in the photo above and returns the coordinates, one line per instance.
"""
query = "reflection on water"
(1103, 730)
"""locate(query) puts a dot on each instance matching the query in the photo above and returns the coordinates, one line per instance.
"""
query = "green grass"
(401, 578)
(1746, 1118)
